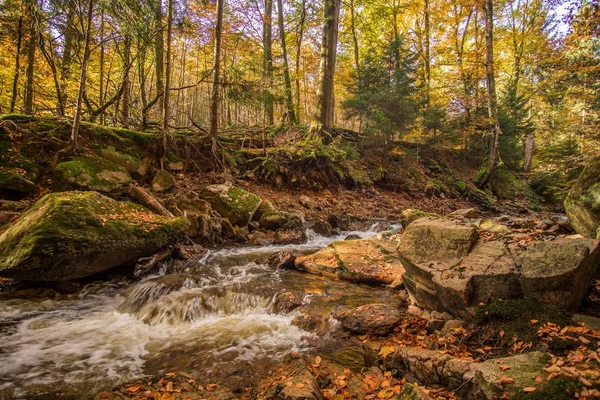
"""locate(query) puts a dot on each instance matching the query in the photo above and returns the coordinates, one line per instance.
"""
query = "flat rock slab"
(71, 235)
(448, 269)
(367, 261)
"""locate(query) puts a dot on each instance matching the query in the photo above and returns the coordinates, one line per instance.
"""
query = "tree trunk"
(31, 45)
(67, 57)
(491, 95)
(427, 12)
(354, 39)
(214, 105)
(126, 81)
(73, 142)
(167, 87)
(268, 61)
(324, 112)
(298, 56)
(286, 69)
(159, 48)
(527, 162)
(102, 52)
(13, 98)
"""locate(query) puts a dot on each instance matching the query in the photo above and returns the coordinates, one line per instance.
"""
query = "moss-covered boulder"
(410, 215)
(233, 203)
(91, 173)
(162, 182)
(133, 164)
(583, 202)
(71, 235)
(369, 261)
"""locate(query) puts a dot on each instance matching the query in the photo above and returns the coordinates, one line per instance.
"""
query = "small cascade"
(186, 306)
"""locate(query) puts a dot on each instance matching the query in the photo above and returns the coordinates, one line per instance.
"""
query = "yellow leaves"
(386, 351)
(133, 389)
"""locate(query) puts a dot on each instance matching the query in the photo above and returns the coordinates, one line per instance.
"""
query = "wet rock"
(283, 260)
(91, 174)
(468, 213)
(306, 201)
(293, 232)
(336, 232)
(258, 238)
(369, 261)
(353, 237)
(274, 220)
(322, 227)
(374, 319)
(381, 226)
(286, 300)
(253, 226)
(311, 319)
(162, 182)
(71, 235)
(582, 204)
(410, 215)
(348, 222)
(447, 271)
(412, 392)
(206, 225)
(233, 203)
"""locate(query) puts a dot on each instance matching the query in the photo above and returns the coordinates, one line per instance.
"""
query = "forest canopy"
(411, 70)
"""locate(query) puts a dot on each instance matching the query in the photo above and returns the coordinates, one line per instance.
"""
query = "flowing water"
(207, 317)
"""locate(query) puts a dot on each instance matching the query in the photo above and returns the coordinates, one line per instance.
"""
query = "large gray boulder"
(368, 261)
(233, 203)
(448, 269)
(71, 235)
(583, 202)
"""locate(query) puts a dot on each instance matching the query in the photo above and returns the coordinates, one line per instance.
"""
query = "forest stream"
(209, 317)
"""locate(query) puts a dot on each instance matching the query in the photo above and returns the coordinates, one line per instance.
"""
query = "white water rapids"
(198, 317)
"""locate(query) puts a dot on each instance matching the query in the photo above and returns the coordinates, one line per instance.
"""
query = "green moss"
(16, 117)
(460, 186)
(514, 318)
(90, 173)
(561, 388)
(129, 162)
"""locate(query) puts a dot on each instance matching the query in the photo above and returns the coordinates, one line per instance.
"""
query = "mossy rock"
(410, 215)
(130, 163)
(583, 202)
(15, 179)
(90, 173)
(233, 203)
(162, 182)
(71, 235)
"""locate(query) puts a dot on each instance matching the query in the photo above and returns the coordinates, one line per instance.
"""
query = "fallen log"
(148, 200)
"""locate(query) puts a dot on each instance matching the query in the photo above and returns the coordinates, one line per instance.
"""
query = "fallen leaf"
(386, 351)
(530, 389)
(504, 368)
(505, 379)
